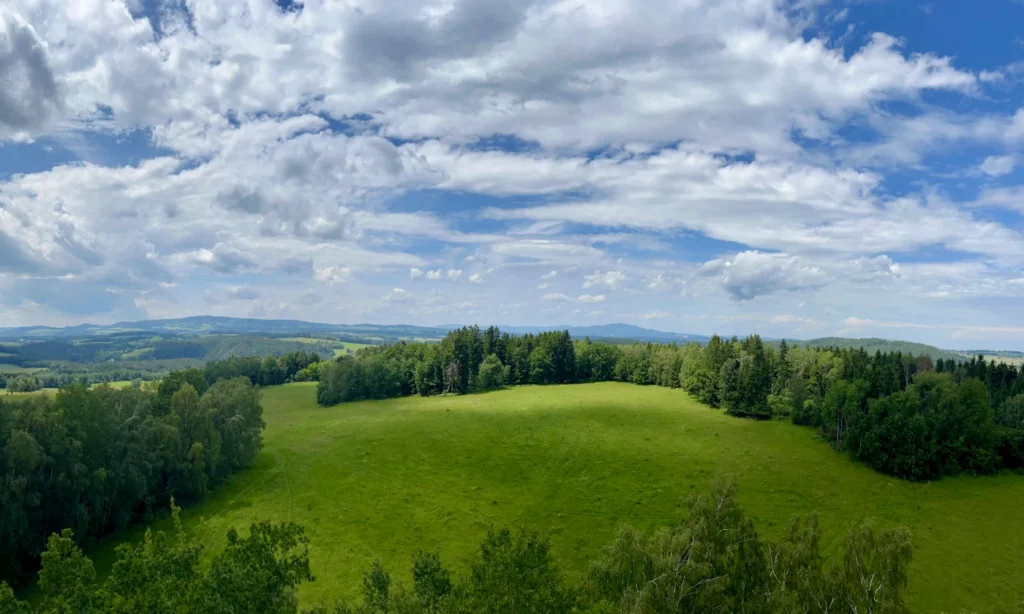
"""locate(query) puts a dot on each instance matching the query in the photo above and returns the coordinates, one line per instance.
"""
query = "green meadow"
(382, 479)
(348, 347)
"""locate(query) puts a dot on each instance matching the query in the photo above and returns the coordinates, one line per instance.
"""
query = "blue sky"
(797, 169)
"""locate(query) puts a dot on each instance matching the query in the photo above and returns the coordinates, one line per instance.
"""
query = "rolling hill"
(873, 344)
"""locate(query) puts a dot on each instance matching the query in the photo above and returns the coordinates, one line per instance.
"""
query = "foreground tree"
(492, 374)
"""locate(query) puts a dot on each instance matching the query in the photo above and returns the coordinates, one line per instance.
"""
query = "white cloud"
(718, 121)
(609, 279)
(748, 275)
(243, 292)
(555, 296)
(591, 298)
(397, 295)
(222, 259)
(333, 274)
(658, 283)
(997, 166)
(31, 98)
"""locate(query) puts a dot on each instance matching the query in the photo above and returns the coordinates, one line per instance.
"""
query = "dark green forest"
(905, 415)
(94, 461)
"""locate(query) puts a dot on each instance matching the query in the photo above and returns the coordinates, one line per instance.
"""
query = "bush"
(492, 374)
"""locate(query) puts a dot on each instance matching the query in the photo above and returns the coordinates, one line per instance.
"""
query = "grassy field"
(125, 383)
(11, 368)
(349, 348)
(14, 395)
(1010, 360)
(382, 479)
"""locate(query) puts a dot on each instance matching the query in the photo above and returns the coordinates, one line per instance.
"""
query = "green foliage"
(259, 573)
(542, 367)
(714, 561)
(431, 581)
(1011, 413)
(66, 576)
(492, 374)
(98, 460)
(170, 385)
(255, 574)
(595, 362)
(8, 603)
(23, 383)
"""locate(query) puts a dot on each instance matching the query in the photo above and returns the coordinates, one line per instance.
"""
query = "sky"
(794, 168)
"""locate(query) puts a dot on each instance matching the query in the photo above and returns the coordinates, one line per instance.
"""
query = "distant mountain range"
(611, 331)
(204, 325)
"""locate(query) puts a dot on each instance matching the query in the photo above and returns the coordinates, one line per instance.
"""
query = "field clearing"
(15, 395)
(9, 368)
(348, 347)
(385, 478)
(137, 353)
(118, 384)
(1010, 360)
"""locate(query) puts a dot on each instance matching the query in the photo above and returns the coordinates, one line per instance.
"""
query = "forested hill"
(378, 333)
(203, 325)
(874, 344)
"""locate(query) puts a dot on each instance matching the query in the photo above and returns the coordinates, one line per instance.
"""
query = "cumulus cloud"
(591, 298)
(997, 166)
(333, 274)
(398, 295)
(222, 259)
(30, 99)
(609, 279)
(737, 138)
(750, 274)
(658, 283)
(243, 292)
(555, 296)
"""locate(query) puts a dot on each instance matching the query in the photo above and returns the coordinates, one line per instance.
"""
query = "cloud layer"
(704, 166)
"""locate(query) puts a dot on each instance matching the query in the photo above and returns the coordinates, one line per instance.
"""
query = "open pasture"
(382, 479)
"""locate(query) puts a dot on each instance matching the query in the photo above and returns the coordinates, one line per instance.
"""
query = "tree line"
(713, 560)
(97, 460)
(901, 414)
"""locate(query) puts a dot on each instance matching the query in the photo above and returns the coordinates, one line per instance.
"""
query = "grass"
(348, 347)
(341, 348)
(10, 368)
(1016, 361)
(125, 383)
(383, 479)
(136, 353)
(15, 395)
